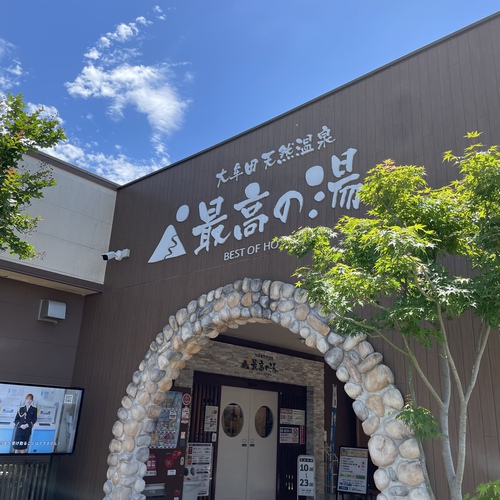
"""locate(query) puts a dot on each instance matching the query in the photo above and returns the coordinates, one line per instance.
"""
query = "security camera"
(118, 255)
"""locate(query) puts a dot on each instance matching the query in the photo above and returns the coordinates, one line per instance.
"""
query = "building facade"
(206, 301)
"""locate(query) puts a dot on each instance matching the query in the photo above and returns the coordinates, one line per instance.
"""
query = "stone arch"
(368, 382)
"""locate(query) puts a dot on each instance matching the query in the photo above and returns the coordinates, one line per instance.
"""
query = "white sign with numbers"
(305, 476)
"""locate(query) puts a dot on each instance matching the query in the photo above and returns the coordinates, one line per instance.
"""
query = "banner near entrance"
(353, 470)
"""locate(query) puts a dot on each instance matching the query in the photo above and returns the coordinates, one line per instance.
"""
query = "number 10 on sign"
(305, 476)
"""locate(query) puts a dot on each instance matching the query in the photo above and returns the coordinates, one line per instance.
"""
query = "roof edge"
(73, 169)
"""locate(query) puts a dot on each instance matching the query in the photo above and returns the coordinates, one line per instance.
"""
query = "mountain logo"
(170, 246)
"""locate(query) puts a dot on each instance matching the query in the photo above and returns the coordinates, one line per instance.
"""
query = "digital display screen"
(38, 419)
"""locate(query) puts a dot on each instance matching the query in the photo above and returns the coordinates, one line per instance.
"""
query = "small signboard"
(289, 416)
(289, 435)
(211, 417)
(353, 470)
(305, 476)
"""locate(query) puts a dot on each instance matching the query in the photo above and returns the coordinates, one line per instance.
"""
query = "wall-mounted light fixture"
(51, 311)
(118, 255)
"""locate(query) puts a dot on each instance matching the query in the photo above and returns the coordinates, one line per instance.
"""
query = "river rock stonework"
(368, 381)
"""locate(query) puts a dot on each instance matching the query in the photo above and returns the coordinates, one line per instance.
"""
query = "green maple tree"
(21, 133)
(393, 272)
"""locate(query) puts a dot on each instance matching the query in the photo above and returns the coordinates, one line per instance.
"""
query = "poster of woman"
(25, 419)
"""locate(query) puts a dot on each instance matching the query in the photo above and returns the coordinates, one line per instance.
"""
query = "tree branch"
(375, 331)
(483, 341)
(421, 373)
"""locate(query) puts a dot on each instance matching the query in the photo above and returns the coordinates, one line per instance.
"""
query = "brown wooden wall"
(32, 351)
(411, 111)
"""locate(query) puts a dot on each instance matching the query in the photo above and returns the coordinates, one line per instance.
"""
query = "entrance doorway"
(279, 468)
(247, 451)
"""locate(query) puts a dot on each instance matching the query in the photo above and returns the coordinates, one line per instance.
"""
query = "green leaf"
(420, 420)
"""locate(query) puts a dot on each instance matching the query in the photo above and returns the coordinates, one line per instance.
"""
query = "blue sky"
(141, 84)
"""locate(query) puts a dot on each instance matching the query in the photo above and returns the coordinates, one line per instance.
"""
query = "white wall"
(76, 227)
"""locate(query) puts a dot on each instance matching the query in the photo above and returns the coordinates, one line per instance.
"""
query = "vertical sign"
(211, 418)
(331, 469)
(334, 420)
(305, 476)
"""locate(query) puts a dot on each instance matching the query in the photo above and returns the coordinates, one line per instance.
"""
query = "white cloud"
(145, 88)
(66, 152)
(159, 13)
(114, 57)
(112, 73)
(119, 169)
(11, 71)
(50, 112)
(124, 32)
(104, 42)
(159, 146)
(16, 69)
(93, 53)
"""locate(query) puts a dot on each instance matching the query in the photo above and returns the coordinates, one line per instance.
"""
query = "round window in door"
(232, 419)
(264, 421)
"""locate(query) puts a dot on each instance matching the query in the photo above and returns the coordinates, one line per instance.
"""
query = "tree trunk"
(444, 415)
(464, 405)
(423, 460)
